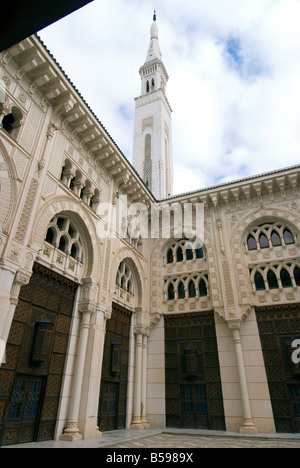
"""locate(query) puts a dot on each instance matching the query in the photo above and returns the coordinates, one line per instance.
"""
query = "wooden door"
(24, 408)
(31, 378)
(109, 406)
(279, 326)
(114, 382)
(194, 396)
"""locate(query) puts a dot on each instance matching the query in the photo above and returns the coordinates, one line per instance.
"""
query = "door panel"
(193, 383)
(279, 326)
(23, 410)
(114, 382)
(109, 406)
(31, 378)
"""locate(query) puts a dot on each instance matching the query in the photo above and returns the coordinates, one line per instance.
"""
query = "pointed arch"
(285, 278)
(203, 288)
(181, 290)
(171, 292)
(275, 238)
(251, 242)
(170, 256)
(179, 254)
(288, 237)
(264, 241)
(259, 282)
(297, 275)
(192, 289)
(272, 279)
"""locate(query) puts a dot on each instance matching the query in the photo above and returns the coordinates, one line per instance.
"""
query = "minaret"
(152, 147)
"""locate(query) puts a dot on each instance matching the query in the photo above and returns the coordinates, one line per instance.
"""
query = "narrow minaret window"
(148, 162)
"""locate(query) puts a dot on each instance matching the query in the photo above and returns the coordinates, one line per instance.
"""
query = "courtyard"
(173, 438)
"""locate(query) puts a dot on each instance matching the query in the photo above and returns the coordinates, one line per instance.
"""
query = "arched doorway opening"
(113, 401)
(31, 379)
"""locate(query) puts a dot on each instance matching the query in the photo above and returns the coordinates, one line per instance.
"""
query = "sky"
(234, 87)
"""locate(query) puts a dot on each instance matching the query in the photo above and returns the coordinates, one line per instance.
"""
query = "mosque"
(103, 327)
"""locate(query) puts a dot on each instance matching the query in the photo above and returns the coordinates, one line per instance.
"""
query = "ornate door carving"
(31, 378)
(279, 326)
(193, 383)
(114, 383)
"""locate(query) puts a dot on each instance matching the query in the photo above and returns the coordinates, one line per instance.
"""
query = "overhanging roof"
(22, 18)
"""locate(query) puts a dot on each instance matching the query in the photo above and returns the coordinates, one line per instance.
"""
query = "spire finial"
(154, 16)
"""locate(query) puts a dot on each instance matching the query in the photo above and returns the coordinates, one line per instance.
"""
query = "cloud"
(234, 79)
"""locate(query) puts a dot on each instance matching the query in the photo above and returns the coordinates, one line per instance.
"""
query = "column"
(72, 432)
(248, 426)
(137, 407)
(88, 416)
(144, 381)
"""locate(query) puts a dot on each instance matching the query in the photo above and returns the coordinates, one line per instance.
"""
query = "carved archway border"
(264, 214)
(85, 225)
(238, 235)
(213, 266)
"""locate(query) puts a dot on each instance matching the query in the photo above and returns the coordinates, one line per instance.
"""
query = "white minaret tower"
(152, 147)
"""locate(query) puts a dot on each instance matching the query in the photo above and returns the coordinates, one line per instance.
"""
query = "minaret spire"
(152, 147)
(154, 49)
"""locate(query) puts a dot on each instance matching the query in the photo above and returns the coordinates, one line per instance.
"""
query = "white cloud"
(234, 79)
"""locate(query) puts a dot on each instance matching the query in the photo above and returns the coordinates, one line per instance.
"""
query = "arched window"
(251, 243)
(272, 280)
(288, 237)
(181, 290)
(275, 238)
(189, 254)
(130, 287)
(285, 279)
(170, 256)
(63, 232)
(75, 251)
(199, 253)
(51, 236)
(297, 275)
(259, 282)
(263, 241)
(124, 279)
(171, 292)
(179, 254)
(12, 121)
(148, 87)
(202, 288)
(7, 122)
(123, 283)
(192, 289)
(63, 244)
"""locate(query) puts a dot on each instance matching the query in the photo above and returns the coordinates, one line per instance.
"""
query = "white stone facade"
(57, 165)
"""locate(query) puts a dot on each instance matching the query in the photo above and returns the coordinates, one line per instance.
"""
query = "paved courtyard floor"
(199, 441)
(174, 438)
